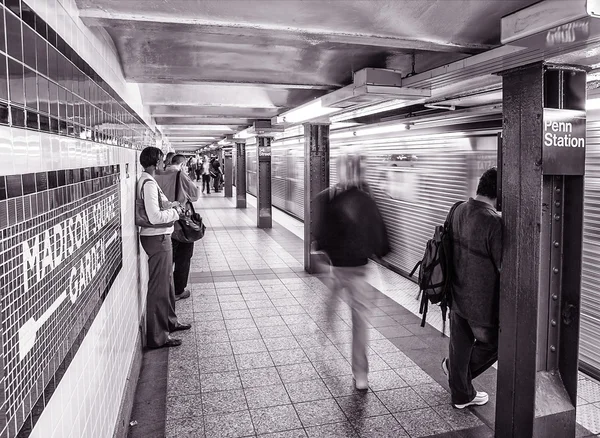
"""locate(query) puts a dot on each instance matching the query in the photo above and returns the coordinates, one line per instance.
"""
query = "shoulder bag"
(141, 216)
(191, 227)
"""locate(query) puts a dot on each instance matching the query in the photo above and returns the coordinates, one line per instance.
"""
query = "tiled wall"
(89, 119)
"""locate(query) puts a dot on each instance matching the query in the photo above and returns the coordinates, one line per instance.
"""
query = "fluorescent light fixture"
(244, 134)
(225, 142)
(592, 104)
(371, 109)
(304, 113)
(387, 129)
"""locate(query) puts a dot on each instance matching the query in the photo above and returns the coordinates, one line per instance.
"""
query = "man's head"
(488, 184)
(178, 161)
(151, 156)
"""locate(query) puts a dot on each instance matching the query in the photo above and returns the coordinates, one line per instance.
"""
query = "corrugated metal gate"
(287, 155)
(589, 343)
(251, 166)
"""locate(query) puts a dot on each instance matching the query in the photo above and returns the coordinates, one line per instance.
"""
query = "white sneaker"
(361, 383)
(481, 398)
(445, 366)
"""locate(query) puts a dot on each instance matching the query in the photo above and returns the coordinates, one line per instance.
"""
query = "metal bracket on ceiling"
(440, 106)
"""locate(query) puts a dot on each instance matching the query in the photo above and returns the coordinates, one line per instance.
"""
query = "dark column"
(264, 218)
(240, 178)
(316, 179)
(540, 284)
(228, 172)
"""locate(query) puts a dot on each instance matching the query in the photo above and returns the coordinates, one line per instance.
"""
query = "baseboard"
(122, 426)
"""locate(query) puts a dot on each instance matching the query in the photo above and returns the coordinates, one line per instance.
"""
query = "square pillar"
(543, 159)
(240, 178)
(228, 172)
(264, 213)
(316, 179)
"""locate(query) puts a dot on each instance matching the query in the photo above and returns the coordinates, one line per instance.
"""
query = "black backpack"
(435, 275)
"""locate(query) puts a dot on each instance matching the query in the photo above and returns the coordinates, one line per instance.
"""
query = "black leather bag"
(191, 228)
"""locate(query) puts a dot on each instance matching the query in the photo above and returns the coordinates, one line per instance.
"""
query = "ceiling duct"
(373, 85)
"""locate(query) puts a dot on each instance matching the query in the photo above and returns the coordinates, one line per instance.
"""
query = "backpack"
(435, 273)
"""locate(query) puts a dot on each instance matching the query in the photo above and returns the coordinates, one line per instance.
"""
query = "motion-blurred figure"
(350, 229)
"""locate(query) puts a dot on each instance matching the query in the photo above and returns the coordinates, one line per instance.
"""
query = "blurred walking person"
(205, 175)
(349, 230)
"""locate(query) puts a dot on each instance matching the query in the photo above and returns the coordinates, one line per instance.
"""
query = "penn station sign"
(564, 142)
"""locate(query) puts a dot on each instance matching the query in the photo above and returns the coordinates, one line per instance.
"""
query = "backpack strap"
(177, 185)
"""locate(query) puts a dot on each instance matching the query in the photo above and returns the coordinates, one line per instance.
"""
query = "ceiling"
(210, 68)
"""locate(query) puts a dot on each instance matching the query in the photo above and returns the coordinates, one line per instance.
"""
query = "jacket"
(349, 227)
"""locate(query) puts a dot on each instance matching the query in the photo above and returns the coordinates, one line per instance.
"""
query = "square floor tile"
(422, 422)
(289, 357)
(183, 406)
(222, 402)
(402, 399)
(275, 419)
(340, 385)
(361, 404)
(267, 321)
(307, 390)
(216, 364)
(249, 346)
(385, 426)
(397, 360)
(236, 314)
(297, 372)
(264, 311)
(233, 425)
(589, 390)
(457, 418)
(253, 360)
(386, 379)
(589, 417)
(184, 428)
(333, 368)
(244, 334)
(265, 396)
(414, 376)
(183, 385)
(214, 349)
(283, 343)
(220, 381)
(434, 394)
(208, 316)
(296, 433)
(275, 331)
(234, 305)
(315, 413)
(260, 377)
(343, 429)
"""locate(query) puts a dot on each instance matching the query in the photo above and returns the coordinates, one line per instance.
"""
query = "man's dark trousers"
(473, 349)
(206, 182)
(182, 256)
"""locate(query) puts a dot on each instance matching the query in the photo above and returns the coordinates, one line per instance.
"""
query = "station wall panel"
(70, 134)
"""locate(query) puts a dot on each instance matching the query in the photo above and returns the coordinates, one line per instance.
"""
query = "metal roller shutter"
(287, 154)
(589, 350)
(251, 166)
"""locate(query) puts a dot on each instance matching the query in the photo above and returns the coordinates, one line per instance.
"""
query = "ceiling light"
(244, 134)
(363, 132)
(371, 109)
(304, 113)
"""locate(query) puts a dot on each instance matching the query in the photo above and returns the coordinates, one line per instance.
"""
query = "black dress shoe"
(180, 327)
(172, 342)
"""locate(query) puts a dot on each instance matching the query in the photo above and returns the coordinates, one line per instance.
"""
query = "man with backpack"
(476, 257)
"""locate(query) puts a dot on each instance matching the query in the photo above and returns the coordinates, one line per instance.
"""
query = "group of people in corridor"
(349, 230)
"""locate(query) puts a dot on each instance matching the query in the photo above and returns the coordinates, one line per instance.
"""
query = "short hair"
(150, 156)
(177, 159)
(488, 184)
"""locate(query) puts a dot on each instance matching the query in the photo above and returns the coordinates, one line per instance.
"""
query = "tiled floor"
(260, 360)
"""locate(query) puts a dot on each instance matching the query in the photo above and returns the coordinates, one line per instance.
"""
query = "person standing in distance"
(474, 312)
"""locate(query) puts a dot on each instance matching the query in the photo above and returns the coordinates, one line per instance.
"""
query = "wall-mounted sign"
(61, 252)
(564, 139)
(264, 151)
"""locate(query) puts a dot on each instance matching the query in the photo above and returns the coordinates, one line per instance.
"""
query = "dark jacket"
(349, 227)
(477, 258)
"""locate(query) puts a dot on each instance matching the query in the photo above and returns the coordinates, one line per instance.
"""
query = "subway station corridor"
(260, 359)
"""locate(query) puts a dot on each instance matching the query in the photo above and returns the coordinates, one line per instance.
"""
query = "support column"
(240, 178)
(316, 179)
(264, 218)
(543, 159)
(228, 172)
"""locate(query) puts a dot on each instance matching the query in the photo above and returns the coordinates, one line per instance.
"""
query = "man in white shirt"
(161, 319)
